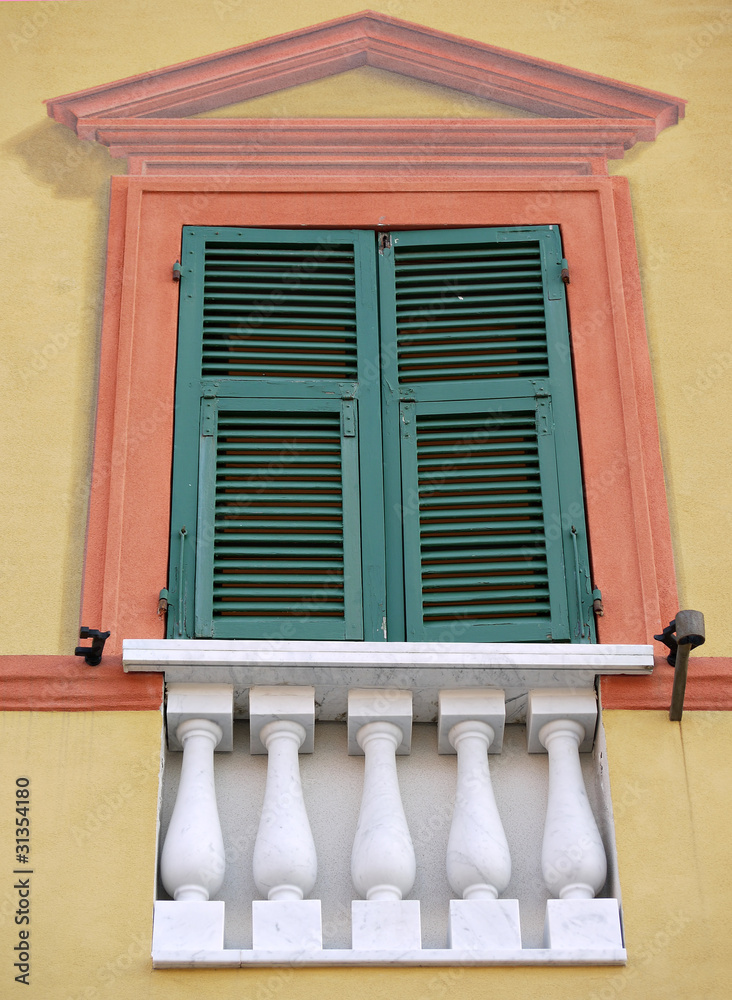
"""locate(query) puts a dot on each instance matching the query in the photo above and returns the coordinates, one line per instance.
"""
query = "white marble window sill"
(233, 958)
(425, 668)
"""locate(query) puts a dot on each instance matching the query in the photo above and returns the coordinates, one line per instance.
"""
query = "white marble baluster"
(285, 865)
(573, 856)
(573, 860)
(383, 864)
(192, 863)
(478, 858)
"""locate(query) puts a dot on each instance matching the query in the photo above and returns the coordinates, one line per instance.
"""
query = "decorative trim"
(141, 117)
(312, 146)
(39, 683)
(423, 668)
(373, 39)
(628, 523)
(64, 684)
(708, 687)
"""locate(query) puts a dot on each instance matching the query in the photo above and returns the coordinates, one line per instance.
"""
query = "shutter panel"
(477, 564)
(277, 329)
(279, 533)
(474, 329)
(279, 309)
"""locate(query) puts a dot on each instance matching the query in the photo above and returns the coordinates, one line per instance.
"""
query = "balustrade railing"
(287, 927)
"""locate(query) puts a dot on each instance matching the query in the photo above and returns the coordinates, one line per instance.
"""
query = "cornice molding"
(41, 683)
(146, 117)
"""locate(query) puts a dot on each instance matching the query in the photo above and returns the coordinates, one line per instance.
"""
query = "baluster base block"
(386, 925)
(180, 925)
(481, 925)
(287, 925)
(578, 924)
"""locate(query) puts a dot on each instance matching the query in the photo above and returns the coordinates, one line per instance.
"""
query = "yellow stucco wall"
(94, 783)
(53, 198)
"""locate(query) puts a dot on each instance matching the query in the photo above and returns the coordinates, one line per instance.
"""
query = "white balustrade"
(285, 865)
(383, 864)
(483, 928)
(192, 863)
(573, 860)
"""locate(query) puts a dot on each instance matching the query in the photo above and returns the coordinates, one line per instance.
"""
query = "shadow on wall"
(51, 154)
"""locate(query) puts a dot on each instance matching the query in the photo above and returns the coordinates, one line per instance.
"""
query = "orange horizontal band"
(708, 686)
(68, 684)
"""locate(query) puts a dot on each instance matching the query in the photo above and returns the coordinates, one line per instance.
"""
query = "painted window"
(375, 438)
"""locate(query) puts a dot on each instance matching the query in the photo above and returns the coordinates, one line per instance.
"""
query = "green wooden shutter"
(277, 329)
(479, 419)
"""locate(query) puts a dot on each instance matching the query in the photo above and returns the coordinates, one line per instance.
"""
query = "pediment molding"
(585, 118)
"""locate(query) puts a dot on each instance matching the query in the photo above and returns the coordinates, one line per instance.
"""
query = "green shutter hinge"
(348, 410)
(208, 416)
(544, 419)
(163, 602)
(565, 271)
(177, 271)
(597, 603)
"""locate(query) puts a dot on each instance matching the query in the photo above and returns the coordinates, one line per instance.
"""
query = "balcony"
(385, 804)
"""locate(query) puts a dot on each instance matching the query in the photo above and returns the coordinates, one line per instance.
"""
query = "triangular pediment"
(372, 39)
(563, 115)
(367, 92)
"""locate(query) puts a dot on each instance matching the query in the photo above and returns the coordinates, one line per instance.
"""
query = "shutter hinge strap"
(208, 417)
(349, 418)
(544, 418)
(181, 589)
(580, 614)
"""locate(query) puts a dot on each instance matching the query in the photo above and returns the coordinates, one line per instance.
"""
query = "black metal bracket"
(92, 654)
(670, 639)
(689, 629)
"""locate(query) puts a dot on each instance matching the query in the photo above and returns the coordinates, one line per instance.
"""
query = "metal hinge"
(163, 602)
(177, 271)
(597, 603)
(544, 418)
(208, 417)
(349, 418)
(565, 271)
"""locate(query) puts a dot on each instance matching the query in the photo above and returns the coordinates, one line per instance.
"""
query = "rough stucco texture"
(53, 200)
(94, 788)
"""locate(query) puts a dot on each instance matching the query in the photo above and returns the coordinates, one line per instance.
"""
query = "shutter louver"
(278, 535)
(469, 312)
(477, 562)
(280, 310)
(481, 521)
(284, 510)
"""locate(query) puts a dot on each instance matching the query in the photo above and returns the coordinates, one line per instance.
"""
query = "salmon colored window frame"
(628, 525)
